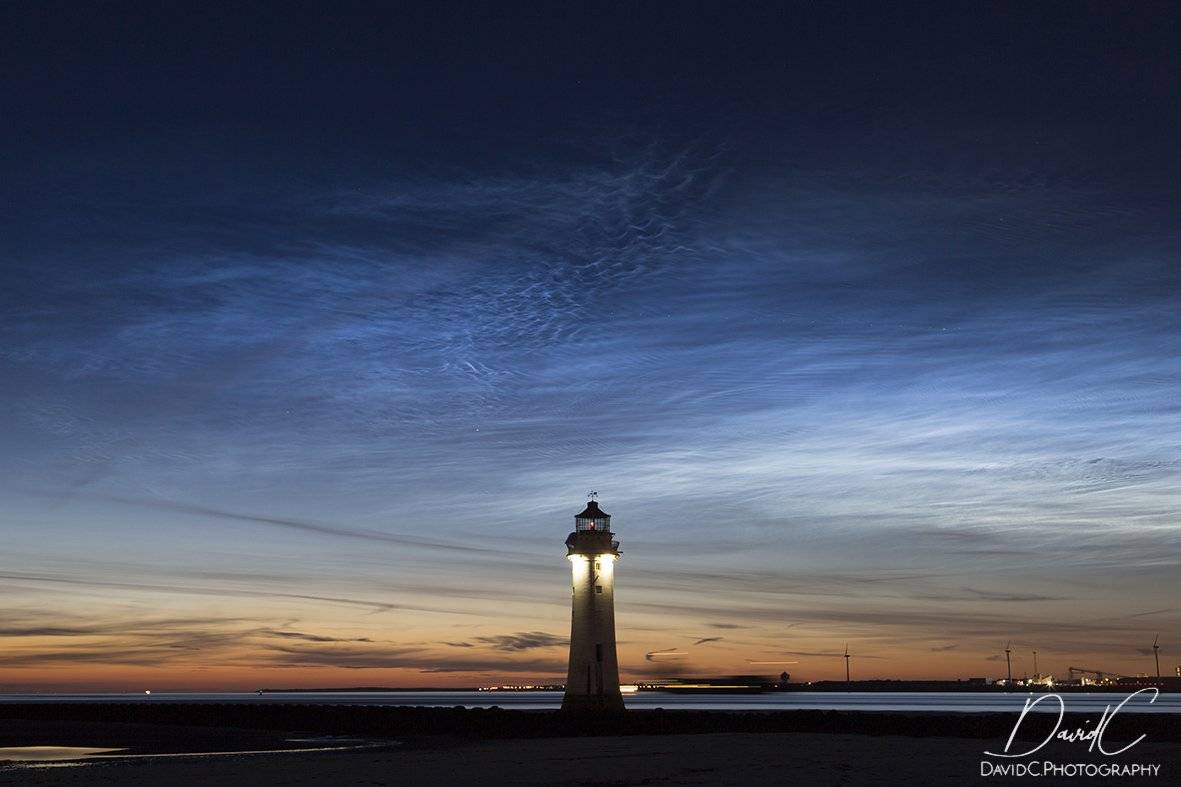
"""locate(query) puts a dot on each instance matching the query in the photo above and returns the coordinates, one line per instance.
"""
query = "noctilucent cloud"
(316, 329)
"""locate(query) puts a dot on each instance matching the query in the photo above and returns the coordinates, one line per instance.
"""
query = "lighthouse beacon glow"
(592, 680)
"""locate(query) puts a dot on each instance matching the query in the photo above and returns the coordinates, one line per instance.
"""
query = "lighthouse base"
(592, 703)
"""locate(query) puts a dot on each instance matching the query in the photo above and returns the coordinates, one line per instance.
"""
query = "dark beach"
(398, 745)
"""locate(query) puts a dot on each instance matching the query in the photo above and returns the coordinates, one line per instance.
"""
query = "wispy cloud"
(299, 635)
(195, 590)
(523, 640)
(295, 524)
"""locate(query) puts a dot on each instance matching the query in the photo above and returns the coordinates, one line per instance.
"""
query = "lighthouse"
(592, 680)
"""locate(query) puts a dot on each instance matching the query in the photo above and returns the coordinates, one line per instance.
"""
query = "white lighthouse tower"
(592, 682)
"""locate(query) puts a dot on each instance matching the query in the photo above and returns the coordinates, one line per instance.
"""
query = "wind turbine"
(1008, 663)
(1156, 655)
(846, 662)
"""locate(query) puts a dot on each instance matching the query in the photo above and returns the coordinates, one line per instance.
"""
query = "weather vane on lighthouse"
(592, 495)
(592, 679)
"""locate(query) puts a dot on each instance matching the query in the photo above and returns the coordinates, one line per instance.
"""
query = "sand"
(707, 759)
(423, 746)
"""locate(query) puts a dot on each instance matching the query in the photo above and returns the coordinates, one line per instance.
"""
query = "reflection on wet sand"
(76, 754)
(49, 753)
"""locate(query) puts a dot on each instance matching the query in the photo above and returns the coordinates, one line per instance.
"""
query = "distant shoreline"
(486, 723)
(924, 686)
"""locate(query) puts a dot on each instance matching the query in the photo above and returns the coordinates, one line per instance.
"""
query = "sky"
(317, 327)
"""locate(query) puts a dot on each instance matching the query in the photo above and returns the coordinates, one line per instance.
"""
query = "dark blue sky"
(863, 321)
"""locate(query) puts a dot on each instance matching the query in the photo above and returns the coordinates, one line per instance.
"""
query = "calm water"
(963, 702)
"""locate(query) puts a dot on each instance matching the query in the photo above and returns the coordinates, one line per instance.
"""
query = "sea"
(909, 702)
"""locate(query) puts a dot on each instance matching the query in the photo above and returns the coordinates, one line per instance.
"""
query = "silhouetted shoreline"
(404, 722)
(882, 685)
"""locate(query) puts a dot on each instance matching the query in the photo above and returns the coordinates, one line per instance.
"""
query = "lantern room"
(593, 518)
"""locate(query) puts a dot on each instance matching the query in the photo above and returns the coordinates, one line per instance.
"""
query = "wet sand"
(707, 759)
(417, 746)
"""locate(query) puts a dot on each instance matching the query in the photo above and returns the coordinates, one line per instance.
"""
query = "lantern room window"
(593, 519)
(593, 524)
